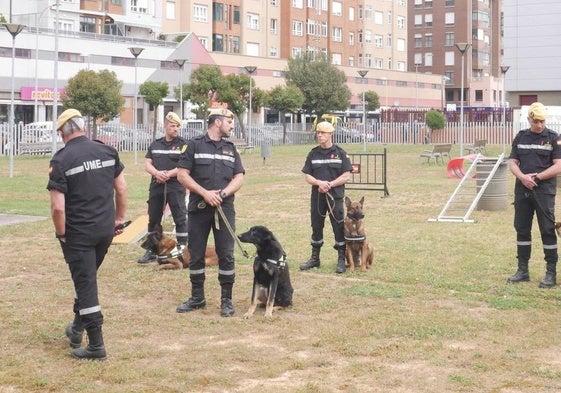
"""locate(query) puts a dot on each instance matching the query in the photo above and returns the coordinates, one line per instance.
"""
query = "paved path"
(8, 219)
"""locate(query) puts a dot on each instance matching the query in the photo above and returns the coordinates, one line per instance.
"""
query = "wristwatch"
(223, 194)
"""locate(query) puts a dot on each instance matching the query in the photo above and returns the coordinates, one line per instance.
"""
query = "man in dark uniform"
(88, 201)
(327, 169)
(535, 160)
(211, 169)
(161, 163)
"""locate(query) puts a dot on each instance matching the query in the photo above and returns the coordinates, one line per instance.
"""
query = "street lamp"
(135, 51)
(14, 30)
(504, 69)
(362, 74)
(180, 63)
(462, 47)
(250, 70)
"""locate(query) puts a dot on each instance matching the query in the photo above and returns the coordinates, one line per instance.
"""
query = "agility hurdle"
(369, 172)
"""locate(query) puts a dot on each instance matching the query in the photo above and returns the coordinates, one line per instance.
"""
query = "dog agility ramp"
(462, 202)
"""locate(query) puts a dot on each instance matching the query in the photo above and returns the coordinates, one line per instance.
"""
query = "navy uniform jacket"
(211, 164)
(165, 155)
(328, 165)
(84, 170)
(535, 153)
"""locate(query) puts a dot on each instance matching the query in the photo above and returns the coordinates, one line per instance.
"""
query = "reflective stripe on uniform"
(226, 272)
(215, 157)
(328, 161)
(535, 147)
(90, 310)
(174, 152)
(89, 166)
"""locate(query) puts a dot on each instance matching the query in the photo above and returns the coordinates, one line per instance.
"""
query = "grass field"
(433, 314)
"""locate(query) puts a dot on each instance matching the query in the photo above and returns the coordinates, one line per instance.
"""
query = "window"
(449, 18)
(323, 29)
(117, 2)
(252, 21)
(418, 41)
(351, 13)
(236, 19)
(87, 24)
(368, 60)
(337, 34)
(390, 17)
(252, 49)
(449, 3)
(274, 2)
(337, 8)
(67, 56)
(378, 41)
(217, 42)
(204, 42)
(428, 59)
(449, 39)
(170, 10)
(336, 58)
(298, 4)
(400, 66)
(351, 61)
(297, 28)
(378, 18)
(418, 59)
(418, 20)
(428, 3)
(368, 36)
(401, 45)
(296, 52)
(428, 20)
(311, 27)
(274, 26)
(351, 38)
(200, 13)
(401, 22)
(428, 41)
(449, 58)
(478, 95)
(418, 3)
(217, 12)
(368, 12)
(389, 41)
(122, 61)
(236, 44)
(378, 63)
(140, 6)
(273, 52)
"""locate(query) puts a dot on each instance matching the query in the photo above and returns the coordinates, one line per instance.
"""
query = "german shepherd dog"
(358, 251)
(169, 256)
(271, 278)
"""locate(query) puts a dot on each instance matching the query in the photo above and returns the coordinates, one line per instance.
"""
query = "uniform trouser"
(525, 204)
(321, 206)
(84, 257)
(200, 224)
(176, 201)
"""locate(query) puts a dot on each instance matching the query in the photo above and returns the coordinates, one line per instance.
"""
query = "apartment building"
(359, 35)
(436, 26)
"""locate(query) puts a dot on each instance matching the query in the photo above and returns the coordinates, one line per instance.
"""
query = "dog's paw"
(247, 315)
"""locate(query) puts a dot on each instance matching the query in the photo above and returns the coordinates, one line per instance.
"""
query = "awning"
(146, 22)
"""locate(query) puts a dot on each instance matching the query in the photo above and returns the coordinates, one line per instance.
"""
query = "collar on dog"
(176, 253)
(355, 238)
(355, 216)
(281, 263)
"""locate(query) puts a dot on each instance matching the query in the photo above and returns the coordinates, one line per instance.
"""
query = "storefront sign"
(28, 93)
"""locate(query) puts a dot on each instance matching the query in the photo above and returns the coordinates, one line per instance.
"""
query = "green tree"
(435, 120)
(154, 93)
(95, 94)
(372, 100)
(323, 85)
(206, 82)
(285, 99)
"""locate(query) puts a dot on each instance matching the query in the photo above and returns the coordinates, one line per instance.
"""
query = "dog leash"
(221, 212)
(330, 207)
(545, 212)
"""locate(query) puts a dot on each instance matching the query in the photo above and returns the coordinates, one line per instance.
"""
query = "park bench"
(477, 146)
(439, 151)
(37, 147)
(242, 145)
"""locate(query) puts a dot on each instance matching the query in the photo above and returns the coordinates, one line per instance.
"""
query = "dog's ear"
(348, 202)
(361, 201)
(158, 229)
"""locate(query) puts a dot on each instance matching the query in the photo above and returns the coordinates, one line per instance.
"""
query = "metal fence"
(37, 138)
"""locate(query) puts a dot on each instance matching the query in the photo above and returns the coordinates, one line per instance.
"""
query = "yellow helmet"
(65, 116)
(325, 126)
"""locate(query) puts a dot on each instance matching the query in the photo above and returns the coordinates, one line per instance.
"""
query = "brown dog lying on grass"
(358, 251)
(169, 257)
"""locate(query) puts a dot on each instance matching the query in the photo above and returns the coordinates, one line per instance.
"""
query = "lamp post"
(504, 69)
(443, 99)
(250, 70)
(362, 74)
(14, 30)
(135, 51)
(462, 47)
(180, 63)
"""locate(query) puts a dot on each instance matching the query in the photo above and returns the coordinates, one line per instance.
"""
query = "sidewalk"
(8, 219)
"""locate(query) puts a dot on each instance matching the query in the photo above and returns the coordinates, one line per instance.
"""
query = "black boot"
(195, 302)
(314, 259)
(341, 268)
(521, 274)
(95, 349)
(75, 332)
(550, 279)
